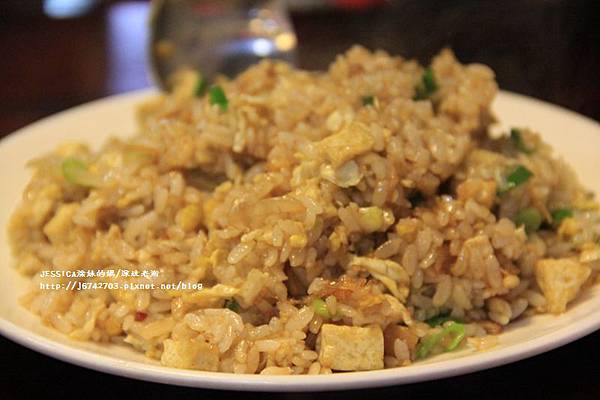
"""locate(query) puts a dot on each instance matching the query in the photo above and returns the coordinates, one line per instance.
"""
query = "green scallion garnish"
(440, 319)
(232, 304)
(530, 218)
(201, 86)
(516, 136)
(76, 172)
(454, 330)
(560, 214)
(517, 177)
(427, 344)
(368, 100)
(427, 86)
(457, 331)
(320, 307)
(217, 96)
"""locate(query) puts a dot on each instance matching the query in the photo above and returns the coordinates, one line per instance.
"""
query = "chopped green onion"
(459, 331)
(530, 218)
(76, 172)
(73, 168)
(217, 96)
(368, 100)
(517, 138)
(232, 304)
(427, 86)
(560, 214)
(201, 86)
(320, 307)
(517, 177)
(440, 319)
(452, 329)
(428, 343)
(416, 199)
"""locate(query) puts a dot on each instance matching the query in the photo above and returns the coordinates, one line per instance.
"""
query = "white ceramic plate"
(576, 138)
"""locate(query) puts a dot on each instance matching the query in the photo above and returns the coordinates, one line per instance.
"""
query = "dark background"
(543, 48)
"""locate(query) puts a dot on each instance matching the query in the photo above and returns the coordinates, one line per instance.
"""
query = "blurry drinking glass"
(217, 36)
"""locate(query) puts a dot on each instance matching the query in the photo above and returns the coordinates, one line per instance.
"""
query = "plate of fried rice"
(377, 223)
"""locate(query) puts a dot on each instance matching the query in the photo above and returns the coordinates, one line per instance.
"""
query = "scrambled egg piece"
(190, 354)
(560, 280)
(207, 297)
(346, 144)
(351, 348)
(482, 191)
(189, 217)
(43, 203)
(57, 229)
(569, 227)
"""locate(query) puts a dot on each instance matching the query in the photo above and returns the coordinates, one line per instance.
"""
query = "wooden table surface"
(546, 49)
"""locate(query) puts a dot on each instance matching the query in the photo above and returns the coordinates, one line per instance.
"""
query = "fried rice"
(354, 219)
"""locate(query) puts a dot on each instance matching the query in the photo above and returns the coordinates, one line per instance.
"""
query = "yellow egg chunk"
(560, 281)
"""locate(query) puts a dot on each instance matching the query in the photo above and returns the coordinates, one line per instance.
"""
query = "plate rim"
(303, 383)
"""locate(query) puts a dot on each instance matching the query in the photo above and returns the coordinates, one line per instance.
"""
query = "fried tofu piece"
(346, 144)
(190, 354)
(560, 281)
(351, 348)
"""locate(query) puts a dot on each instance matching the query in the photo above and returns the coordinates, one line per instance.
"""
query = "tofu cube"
(560, 281)
(351, 348)
(190, 354)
